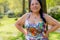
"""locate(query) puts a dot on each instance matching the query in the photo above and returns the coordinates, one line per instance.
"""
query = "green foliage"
(11, 15)
(19, 14)
(55, 13)
(1, 15)
(53, 8)
(50, 3)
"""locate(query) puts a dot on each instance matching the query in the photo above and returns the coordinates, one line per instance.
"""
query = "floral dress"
(35, 31)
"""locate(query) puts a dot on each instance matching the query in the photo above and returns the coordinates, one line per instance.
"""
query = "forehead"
(34, 1)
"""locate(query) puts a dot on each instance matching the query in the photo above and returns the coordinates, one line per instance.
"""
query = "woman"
(36, 22)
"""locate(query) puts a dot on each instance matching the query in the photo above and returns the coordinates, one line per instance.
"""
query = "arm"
(54, 23)
(20, 22)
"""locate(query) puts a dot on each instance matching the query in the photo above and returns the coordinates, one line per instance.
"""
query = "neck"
(36, 13)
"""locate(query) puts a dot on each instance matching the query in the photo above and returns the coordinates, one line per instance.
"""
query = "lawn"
(8, 31)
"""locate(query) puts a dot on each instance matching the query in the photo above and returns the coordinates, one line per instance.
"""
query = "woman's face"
(35, 6)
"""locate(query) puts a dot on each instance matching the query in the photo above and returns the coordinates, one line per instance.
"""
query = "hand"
(25, 32)
(46, 35)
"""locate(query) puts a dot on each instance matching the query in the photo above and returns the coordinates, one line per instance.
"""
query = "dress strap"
(28, 16)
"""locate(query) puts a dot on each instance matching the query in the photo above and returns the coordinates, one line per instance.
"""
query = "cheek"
(39, 8)
(31, 7)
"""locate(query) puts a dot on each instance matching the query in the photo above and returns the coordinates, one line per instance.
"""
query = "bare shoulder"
(47, 16)
(24, 16)
(50, 19)
(21, 20)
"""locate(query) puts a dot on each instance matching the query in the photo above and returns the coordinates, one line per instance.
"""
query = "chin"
(35, 11)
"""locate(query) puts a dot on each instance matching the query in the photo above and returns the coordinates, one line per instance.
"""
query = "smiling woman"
(36, 22)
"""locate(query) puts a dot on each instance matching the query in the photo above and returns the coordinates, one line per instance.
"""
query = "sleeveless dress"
(35, 31)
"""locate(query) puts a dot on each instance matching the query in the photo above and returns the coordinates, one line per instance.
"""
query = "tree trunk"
(44, 6)
(23, 6)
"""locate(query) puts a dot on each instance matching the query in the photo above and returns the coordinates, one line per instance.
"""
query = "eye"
(32, 4)
(36, 3)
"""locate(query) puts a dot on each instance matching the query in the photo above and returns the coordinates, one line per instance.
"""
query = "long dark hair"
(41, 10)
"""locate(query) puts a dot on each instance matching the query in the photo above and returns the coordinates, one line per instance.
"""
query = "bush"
(19, 14)
(55, 13)
(1, 15)
(11, 15)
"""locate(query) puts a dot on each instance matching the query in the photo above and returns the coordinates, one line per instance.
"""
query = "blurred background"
(11, 10)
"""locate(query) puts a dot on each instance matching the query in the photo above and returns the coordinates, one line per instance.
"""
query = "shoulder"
(21, 20)
(50, 19)
(46, 16)
(24, 16)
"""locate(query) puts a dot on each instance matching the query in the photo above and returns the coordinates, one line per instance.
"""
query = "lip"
(35, 8)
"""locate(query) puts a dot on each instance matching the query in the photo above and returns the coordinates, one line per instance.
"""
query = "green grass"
(8, 31)
(54, 36)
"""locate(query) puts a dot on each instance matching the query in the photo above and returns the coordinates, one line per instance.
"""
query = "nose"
(34, 5)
